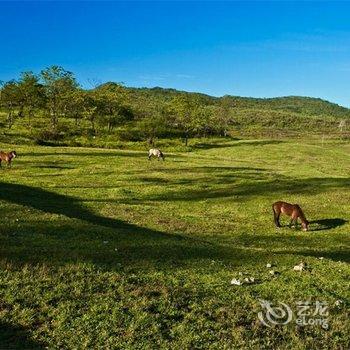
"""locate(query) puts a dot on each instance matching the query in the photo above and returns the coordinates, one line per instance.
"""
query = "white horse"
(155, 152)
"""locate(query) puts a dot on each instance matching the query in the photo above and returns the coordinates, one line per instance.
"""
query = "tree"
(75, 103)
(185, 112)
(58, 87)
(10, 99)
(342, 124)
(89, 108)
(112, 105)
(31, 94)
(222, 117)
(154, 125)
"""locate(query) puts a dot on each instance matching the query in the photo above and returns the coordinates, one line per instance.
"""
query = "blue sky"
(259, 49)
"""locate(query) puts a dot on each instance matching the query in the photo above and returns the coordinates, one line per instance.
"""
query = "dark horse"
(7, 157)
(292, 210)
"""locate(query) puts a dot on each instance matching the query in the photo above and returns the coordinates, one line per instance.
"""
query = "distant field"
(104, 249)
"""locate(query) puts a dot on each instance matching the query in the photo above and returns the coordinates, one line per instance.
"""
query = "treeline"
(54, 95)
(51, 106)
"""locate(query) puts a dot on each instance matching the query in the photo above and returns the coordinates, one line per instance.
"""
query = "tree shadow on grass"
(16, 337)
(229, 143)
(335, 255)
(54, 203)
(92, 154)
(298, 243)
(282, 185)
(65, 167)
(62, 240)
(59, 240)
(204, 175)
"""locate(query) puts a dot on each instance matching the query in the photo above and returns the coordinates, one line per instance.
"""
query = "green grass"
(104, 249)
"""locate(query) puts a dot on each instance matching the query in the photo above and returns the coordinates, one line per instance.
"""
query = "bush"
(130, 135)
(48, 136)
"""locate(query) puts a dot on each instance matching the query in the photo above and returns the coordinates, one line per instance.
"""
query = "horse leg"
(293, 222)
(276, 218)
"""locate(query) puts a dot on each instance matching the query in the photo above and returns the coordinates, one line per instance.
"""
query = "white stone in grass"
(338, 302)
(249, 280)
(272, 272)
(105, 242)
(299, 267)
(268, 265)
(321, 258)
(116, 249)
(236, 282)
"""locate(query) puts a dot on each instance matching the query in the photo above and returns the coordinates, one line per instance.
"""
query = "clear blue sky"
(259, 49)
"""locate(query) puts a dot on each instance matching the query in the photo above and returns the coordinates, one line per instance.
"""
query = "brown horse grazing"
(7, 157)
(292, 210)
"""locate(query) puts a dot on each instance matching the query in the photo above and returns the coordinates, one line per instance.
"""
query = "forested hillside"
(52, 108)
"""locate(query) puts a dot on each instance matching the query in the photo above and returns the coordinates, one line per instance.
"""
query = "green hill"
(243, 116)
(294, 104)
(290, 114)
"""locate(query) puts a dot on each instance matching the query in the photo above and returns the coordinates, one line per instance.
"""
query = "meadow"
(101, 248)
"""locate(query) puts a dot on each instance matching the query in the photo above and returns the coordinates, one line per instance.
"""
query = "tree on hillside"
(10, 100)
(89, 109)
(75, 102)
(185, 112)
(223, 118)
(154, 123)
(342, 124)
(112, 105)
(31, 94)
(194, 118)
(58, 87)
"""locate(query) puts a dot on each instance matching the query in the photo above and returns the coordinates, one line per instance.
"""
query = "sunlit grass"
(105, 249)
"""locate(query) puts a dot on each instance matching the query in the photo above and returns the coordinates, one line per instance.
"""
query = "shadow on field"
(231, 187)
(41, 166)
(205, 175)
(298, 243)
(92, 154)
(55, 203)
(335, 255)
(258, 142)
(327, 224)
(101, 240)
(229, 143)
(16, 337)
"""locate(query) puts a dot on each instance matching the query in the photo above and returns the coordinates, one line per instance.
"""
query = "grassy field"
(104, 249)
